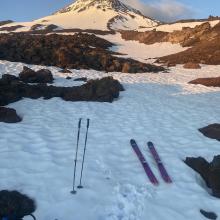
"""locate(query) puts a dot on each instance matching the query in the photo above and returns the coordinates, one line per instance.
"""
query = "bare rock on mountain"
(211, 82)
(80, 51)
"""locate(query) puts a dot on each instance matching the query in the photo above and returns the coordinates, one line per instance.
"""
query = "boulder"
(211, 131)
(208, 215)
(210, 172)
(211, 82)
(191, 65)
(14, 205)
(41, 76)
(9, 115)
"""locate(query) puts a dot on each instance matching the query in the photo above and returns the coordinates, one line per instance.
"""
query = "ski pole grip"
(79, 125)
(88, 120)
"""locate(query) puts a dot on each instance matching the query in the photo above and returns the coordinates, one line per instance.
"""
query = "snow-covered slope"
(93, 14)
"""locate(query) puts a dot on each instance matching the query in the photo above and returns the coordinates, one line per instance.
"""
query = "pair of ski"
(146, 166)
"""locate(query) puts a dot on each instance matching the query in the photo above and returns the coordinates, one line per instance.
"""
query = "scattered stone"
(9, 115)
(211, 131)
(15, 205)
(210, 172)
(211, 82)
(84, 79)
(65, 71)
(191, 65)
(41, 76)
(208, 215)
(68, 77)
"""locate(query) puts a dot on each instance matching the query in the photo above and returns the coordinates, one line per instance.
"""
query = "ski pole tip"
(88, 121)
(73, 192)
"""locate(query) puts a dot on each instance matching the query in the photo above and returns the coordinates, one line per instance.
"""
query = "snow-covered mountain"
(101, 15)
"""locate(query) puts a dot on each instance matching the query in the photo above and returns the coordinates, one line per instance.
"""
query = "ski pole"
(84, 153)
(77, 146)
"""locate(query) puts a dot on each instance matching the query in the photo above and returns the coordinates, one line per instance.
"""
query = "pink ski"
(144, 163)
(160, 165)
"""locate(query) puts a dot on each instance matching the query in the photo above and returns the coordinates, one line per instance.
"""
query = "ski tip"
(132, 141)
(150, 144)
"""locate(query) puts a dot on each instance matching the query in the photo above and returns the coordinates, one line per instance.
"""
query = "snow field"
(37, 155)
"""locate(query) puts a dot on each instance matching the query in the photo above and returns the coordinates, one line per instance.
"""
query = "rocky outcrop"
(203, 40)
(11, 28)
(211, 131)
(211, 82)
(80, 51)
(12, 90)
(186, 37)
(210, 172)
(191, 65)
(41, 76)
(5, 22)
(9, 115)
(103, 90)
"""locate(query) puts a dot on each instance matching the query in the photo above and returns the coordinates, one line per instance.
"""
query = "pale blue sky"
(24, 10)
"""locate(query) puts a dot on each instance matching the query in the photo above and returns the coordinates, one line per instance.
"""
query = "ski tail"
(160, 165)
(144, 163)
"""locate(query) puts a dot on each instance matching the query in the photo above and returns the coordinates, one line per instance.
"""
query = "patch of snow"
(142, 52)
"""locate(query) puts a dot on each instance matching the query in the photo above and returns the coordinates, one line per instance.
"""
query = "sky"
(164, 10)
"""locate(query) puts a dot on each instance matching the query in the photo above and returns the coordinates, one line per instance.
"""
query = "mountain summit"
(100, 15)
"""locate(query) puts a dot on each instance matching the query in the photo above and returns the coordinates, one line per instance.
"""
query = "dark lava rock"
(208, 215)
(211, 131)
(201, 166)
(9, 115)
(84, 79)
(41, 76)
(79, 51)
(103, 90)
(212, 82)
(14, 205)
(210, 172)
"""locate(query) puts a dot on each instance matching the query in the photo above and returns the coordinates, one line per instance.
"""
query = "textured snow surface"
(37, 155)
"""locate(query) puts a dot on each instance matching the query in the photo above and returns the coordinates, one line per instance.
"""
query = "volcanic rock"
(210, 172)
(211, 131)
(9, 115)
(41, 76)
(211, 82)
(191, 65)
